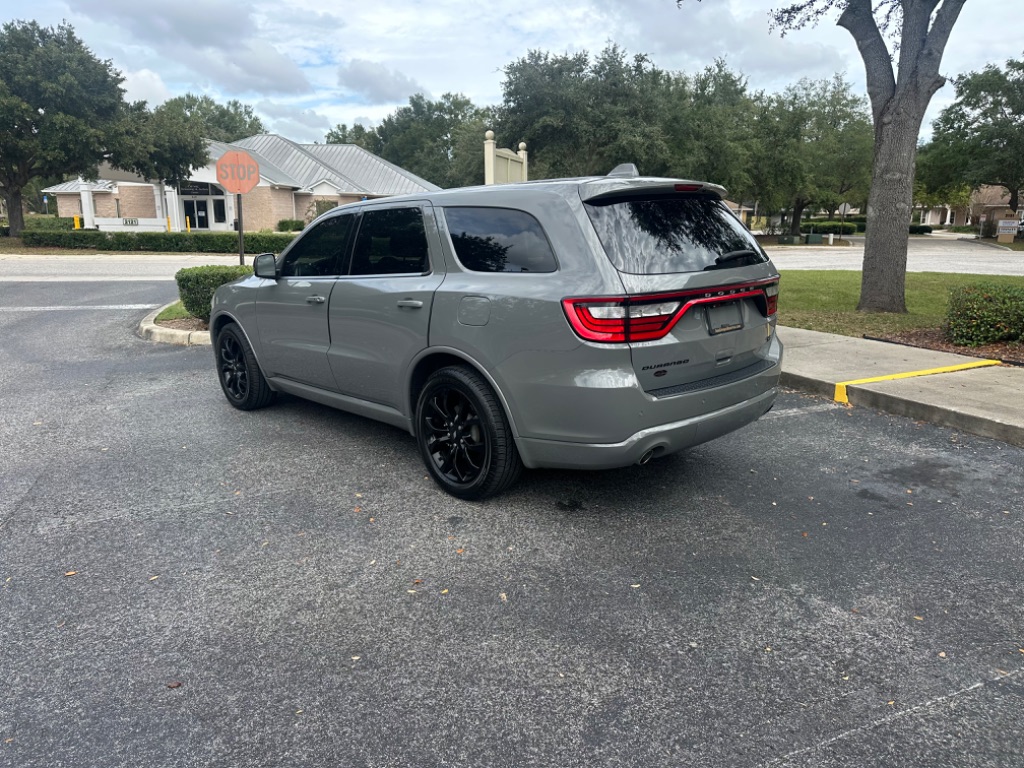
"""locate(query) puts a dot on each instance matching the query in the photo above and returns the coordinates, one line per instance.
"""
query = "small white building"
(296, 181)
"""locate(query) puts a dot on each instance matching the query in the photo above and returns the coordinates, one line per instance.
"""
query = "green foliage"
(920, 229)
(580, 117)
(979, 139)
(61, 106)
(210, 120)
(196, 285)
(160, 242)
(820, 227)
(49, 223)
(359, 135)
(290, 225)
(5, 231)
(984, 313)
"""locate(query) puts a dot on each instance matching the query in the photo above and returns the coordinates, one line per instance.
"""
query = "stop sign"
(237, 172)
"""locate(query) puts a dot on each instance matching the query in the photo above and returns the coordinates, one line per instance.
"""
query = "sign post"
(238, 173)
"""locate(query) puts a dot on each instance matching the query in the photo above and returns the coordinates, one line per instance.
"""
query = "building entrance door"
(197, 213)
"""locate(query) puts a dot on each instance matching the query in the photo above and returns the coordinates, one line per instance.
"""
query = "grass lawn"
(826, 300)
(176, 311)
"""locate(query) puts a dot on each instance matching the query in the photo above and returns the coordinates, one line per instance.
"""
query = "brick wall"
(104, 206)
(69, 205)
(137, 202)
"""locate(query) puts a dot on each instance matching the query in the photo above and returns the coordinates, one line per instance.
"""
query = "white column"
(489, 150)
(88, 209)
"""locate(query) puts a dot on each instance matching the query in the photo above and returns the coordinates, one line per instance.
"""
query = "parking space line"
(840, 395)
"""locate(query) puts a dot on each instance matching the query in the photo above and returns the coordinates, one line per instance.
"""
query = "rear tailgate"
(700, 292)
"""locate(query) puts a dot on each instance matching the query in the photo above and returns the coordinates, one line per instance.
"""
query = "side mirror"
(265, 266)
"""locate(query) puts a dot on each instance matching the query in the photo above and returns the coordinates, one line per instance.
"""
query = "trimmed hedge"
(197, 284)
(44, 223)
(291, 225)
(828, 227)
(920, 229)
(983, 313)
(5, 231)
(162, 242)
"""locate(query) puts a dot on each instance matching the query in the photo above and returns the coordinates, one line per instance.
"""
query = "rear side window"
(662, 235)
(499, 240)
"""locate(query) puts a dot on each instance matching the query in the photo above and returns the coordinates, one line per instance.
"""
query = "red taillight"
(771, 293)
(618, 319)
(689, 187)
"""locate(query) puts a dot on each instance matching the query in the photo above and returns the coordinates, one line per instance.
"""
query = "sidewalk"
(986, 401)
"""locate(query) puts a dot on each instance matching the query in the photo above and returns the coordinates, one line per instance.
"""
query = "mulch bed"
(185, 324)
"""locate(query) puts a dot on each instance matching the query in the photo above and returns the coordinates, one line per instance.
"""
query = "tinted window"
(499, 240)
(391, 242)
(319, 252)
(672, 234)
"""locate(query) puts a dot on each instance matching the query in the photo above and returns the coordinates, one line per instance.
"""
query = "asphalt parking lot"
(183, 584)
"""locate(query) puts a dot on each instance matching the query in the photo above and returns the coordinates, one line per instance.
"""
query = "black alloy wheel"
(463, 435)
(239, 374)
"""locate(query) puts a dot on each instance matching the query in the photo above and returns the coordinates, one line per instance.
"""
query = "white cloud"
(376, 83)
(145, 85)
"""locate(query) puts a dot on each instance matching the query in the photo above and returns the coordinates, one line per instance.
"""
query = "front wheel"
(463, 435)
(239, 374)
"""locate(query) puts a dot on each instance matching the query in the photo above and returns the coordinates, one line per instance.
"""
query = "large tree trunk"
(798, 215)
(890, 206)
(15, 211)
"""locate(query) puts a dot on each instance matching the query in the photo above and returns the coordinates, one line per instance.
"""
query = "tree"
(357, 134)
(59, 106)
(899, 94)
(580, 118)
(428, 138)
(979, 138)
(219, 122)
(159, 145)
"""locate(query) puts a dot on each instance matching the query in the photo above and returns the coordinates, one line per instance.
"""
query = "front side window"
(499, 240)
(391, 241)
(320, 251)
(667, 234)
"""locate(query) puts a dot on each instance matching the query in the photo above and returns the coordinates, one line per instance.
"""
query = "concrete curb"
(150, 331)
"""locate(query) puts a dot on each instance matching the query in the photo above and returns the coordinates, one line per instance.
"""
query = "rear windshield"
(662, 235)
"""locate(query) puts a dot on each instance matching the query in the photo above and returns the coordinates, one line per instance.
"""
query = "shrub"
(920, 229)
(290, 225)
(161, 242)
(828, 227)
(965, 230)
(44, 223)
(5, 231)
(983, 313)
(197, 284)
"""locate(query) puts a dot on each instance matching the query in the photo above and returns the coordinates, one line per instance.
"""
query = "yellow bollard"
(188, 224)
(168, 223)
(78, 222)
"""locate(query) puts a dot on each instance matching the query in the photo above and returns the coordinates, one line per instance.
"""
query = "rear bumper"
(661, 440)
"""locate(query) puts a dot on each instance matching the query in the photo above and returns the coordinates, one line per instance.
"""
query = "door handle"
(411, 303)
(315, 299)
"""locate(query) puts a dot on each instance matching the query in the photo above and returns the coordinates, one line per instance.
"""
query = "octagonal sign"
(237, 172)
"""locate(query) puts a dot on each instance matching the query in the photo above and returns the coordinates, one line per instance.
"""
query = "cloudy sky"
(306, 65)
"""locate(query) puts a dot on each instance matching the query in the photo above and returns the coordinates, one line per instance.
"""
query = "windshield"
(662, 235)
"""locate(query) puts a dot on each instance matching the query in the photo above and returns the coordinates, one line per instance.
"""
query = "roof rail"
(625, 171)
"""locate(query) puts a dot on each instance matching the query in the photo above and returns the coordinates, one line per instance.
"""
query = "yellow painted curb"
(840, 393)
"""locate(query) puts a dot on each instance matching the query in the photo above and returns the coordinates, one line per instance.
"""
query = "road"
(925, 254)
(183, 584)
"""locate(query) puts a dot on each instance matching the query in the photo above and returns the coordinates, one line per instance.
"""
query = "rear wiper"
(733, 255)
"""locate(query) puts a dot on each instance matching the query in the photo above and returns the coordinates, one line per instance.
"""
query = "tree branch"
(935, 45)
(859, 21)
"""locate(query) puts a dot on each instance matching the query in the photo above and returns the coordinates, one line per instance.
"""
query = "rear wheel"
(463, 435)
(239, 374)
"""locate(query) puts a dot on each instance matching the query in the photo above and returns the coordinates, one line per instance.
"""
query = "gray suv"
(577, 323)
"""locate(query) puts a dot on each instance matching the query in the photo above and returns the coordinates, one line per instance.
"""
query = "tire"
(463, 435)
(238, 372)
